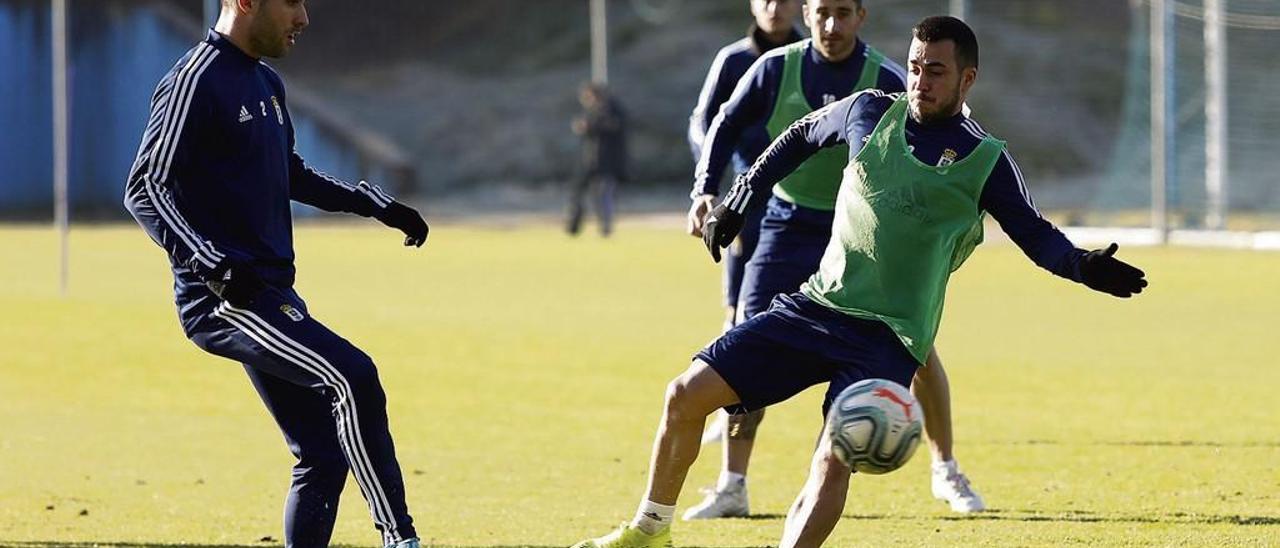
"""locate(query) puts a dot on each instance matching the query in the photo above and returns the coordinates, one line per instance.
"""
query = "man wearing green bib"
(918, 181)
(782, 87)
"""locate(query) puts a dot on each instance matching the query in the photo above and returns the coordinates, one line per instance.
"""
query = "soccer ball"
(874, 426)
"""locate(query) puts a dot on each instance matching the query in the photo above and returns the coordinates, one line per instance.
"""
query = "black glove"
(238, 285)
(719, 228)
(407, 220)
(1101, 271)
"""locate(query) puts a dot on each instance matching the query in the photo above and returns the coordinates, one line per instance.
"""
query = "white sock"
(731, 479)
(948, 466)
(652, 517)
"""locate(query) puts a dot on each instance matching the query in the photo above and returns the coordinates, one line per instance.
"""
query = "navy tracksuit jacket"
(212, 184)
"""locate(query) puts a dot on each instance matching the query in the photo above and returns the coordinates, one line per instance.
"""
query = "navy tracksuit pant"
(325, 395)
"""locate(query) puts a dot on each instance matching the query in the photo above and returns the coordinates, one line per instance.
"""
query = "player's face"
(276, 26)
(775, 16)
(936, 86)
(834, 25)
(588, 98)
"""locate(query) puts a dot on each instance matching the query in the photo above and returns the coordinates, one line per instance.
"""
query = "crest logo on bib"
(948, 158)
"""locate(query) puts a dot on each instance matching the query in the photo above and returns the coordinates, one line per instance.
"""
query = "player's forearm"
(717, 152)
(696, 135)
(1052, 251)
(154, 210)
(699, 125)
(1008, 200)
(311, 187)
(1042, 242)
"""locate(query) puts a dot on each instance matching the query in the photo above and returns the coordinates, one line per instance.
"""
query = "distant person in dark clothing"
(603, 127)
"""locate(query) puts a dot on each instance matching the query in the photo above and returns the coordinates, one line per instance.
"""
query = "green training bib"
(901, 228)
(814, 183)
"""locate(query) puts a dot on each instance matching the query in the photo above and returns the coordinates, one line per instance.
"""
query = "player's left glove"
(719, 228)
(1101, 271)
(238, 284)
(407, 220)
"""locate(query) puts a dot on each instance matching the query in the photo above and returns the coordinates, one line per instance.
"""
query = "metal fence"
(480, 93)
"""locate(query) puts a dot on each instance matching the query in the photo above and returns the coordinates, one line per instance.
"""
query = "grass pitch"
(525, 373)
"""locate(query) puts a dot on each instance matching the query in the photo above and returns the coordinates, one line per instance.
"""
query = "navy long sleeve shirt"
(852, 120)
(217, 168)
(730, 65)
(752, 102)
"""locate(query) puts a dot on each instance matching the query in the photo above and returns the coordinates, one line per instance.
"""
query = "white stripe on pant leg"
(253, 325)
(380, 513)
(324, 364)
(379, 507)
(313, 363)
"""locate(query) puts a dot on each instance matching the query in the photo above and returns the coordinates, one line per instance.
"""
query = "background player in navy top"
(212, 184)
(794, 231)
(774, 26)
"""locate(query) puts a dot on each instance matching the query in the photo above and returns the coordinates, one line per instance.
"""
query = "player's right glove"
(407, 220)
(1101, 271)
(719, 228)
(238, 285)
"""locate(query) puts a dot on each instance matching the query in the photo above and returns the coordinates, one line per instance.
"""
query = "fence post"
(1215, 114)
(1162, 119)
(61, 143)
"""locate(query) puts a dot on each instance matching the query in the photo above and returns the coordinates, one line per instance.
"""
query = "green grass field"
(525, 373)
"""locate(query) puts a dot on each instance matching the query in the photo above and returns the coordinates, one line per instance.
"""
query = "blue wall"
(118, 52)
(26, 149)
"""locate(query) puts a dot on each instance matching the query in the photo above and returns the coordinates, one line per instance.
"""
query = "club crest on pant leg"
(293, 313)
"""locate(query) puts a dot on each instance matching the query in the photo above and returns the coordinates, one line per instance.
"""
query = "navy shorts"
(740, 251)
(798, 343)
(792, 241)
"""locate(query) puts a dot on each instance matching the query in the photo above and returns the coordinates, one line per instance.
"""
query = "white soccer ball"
(874, 426)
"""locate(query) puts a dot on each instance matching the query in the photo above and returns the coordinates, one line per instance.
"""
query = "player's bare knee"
(683, 400)
(677, 399)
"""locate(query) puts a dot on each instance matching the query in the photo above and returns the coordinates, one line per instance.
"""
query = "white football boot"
(407, 543)
(730, 502)
(950, 485)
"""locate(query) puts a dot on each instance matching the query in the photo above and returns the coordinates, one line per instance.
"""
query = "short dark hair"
(943, 27)
(858, 2)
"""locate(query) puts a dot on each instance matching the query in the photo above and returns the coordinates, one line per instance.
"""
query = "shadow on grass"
(1176, 518)
(51, 544)
(1140, 443)
(260, 544)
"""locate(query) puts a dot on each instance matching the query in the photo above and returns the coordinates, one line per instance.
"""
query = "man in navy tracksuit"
(774, 27)
(212, 184)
